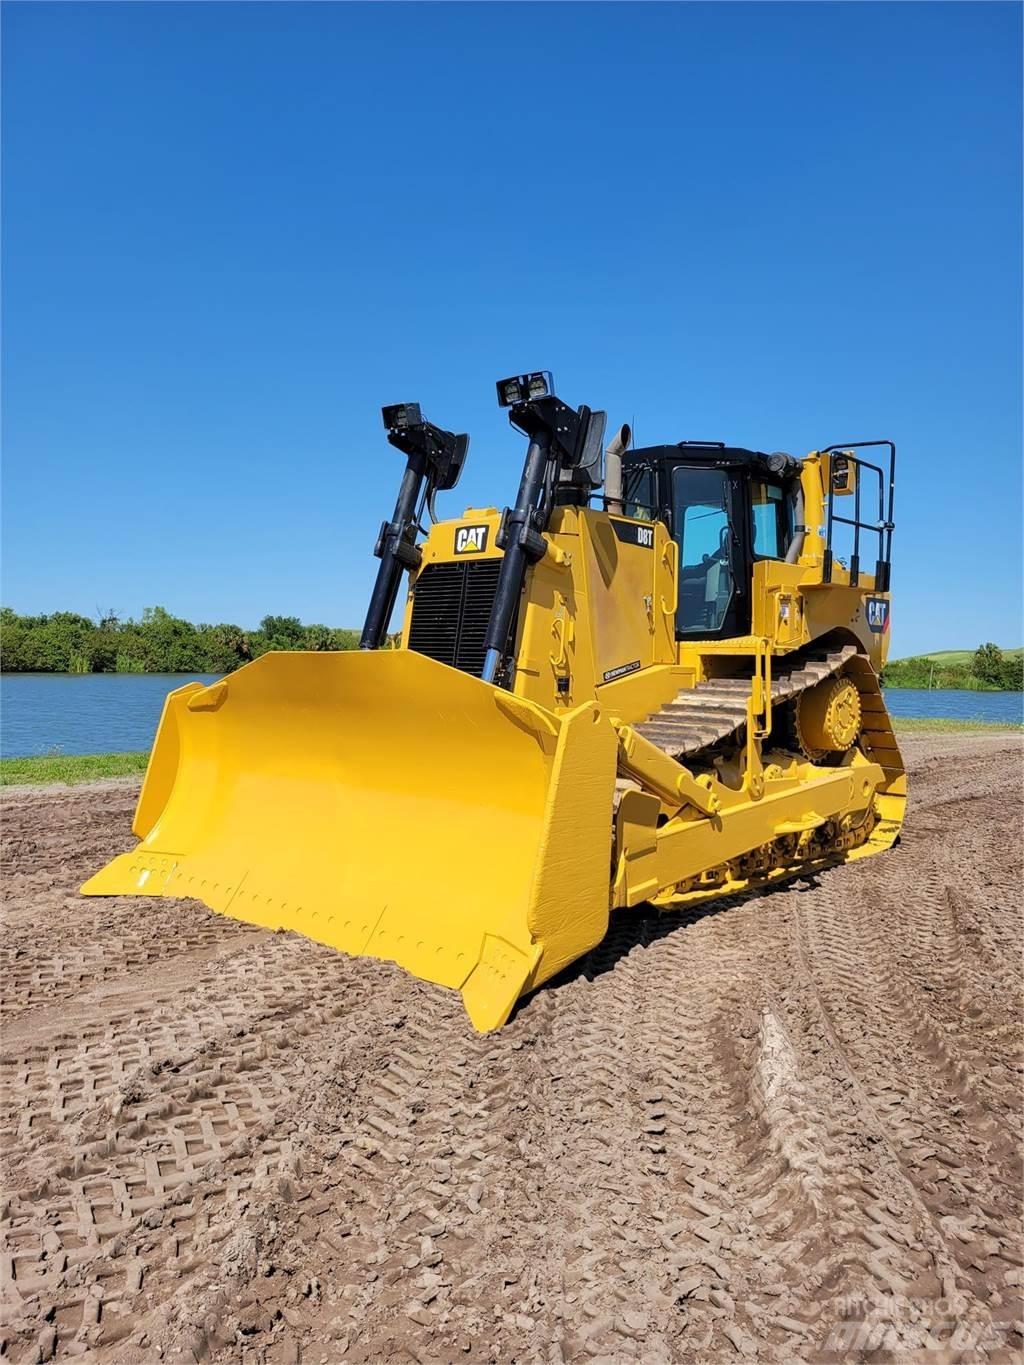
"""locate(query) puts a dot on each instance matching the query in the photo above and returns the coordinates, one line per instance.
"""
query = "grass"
(69, 768)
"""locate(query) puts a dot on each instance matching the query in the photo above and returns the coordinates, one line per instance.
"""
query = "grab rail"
(883, 527)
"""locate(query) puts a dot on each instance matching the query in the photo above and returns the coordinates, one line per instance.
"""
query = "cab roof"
(715, 454)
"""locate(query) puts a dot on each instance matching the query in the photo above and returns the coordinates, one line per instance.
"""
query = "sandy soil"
(786, 1127)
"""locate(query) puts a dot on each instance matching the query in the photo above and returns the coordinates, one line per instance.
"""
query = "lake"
(83, 713)
(97, 713)
(956, 704)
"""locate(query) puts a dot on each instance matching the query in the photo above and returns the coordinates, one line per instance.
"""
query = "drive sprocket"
(827, 717)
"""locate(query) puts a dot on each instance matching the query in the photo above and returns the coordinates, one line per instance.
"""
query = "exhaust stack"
(617, 447)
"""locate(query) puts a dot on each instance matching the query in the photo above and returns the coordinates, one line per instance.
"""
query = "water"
(955, 704)
(98, 713)
(87, 713)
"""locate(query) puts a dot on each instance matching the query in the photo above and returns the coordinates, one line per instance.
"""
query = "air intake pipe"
(787, 468)
(796, 545)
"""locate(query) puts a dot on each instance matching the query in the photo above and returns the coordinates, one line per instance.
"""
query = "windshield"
(700, 519)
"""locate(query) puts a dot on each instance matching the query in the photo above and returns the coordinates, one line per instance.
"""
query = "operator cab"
(725, 507)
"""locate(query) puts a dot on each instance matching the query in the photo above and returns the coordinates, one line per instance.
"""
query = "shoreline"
(888, 685)
(72, 770)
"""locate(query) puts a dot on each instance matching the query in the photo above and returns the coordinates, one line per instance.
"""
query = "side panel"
(859, 611)
(630, 571)
(792, 607)
(598, 609)
(554, 661)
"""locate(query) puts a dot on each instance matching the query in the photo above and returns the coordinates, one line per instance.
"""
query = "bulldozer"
(652, 679)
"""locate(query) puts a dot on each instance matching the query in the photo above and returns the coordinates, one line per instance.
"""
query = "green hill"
(987, 669)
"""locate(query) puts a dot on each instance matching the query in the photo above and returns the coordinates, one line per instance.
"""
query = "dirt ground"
(785, 1127)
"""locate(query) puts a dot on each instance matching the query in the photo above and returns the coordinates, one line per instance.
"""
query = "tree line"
(65, 642)
(988, 669)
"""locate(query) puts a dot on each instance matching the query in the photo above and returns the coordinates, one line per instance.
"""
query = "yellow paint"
(315, 798)
(828, 717)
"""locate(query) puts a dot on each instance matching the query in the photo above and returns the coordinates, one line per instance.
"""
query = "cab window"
(700, 523)
(771, 520)
(640, 497)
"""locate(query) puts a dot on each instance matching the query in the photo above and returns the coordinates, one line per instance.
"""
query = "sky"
(232, 232)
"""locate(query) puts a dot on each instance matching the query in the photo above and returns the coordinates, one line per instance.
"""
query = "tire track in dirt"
(139, 1127)
(918, 1079)
(124, 944)
(734, 1132)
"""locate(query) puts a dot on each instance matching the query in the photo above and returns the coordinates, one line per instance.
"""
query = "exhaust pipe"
(617, 447)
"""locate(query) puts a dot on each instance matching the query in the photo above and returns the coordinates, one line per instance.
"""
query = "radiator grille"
(451, 605)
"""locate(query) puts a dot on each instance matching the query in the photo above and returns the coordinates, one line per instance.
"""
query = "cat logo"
(470, 540)
(876, 609)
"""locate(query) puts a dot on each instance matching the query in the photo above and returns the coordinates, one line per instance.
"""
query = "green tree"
(223, 647)
(1013, 673)
(15, 641)
(170, 645)
(317, 637)
(59, 643)
(102, 650)
(988, 665)
(281, 632)
(159, 643)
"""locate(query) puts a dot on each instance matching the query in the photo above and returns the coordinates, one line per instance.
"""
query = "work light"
(524, 388)
(400, 416)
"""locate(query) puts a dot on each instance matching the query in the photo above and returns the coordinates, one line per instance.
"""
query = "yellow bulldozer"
(650, 679)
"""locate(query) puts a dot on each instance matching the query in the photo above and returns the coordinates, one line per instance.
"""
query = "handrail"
(884, 526)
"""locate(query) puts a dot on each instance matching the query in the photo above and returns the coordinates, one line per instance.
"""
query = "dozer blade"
(386, 805)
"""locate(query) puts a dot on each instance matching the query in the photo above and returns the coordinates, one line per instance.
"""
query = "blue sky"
(231, 232)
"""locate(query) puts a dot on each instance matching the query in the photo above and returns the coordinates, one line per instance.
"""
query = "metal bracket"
(759, 717)
(669, 780)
